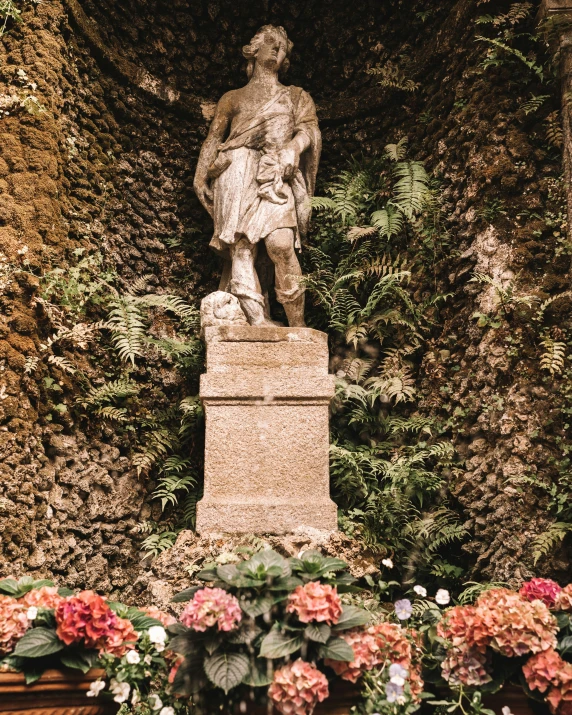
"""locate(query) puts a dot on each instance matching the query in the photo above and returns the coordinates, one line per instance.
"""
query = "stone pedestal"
(266, 393)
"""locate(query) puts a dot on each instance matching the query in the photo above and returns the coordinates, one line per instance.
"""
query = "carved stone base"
(266, 394)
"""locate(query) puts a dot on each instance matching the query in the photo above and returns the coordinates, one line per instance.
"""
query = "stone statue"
(255, 176)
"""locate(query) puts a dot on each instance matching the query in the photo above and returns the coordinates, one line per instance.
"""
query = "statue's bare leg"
(244, 282)
(289, 292)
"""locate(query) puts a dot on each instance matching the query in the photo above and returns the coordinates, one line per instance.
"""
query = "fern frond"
(140, 284)
(31, 364)
(412, 188)
(389, 220)
(534, 103)
(554, 132)
(109, 412)
(397, 152)
(63, 363)
(548, 540)
(127, 325)
(108, 392)
(552, 359)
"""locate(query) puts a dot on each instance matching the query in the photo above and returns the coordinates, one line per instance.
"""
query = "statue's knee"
(280, 244)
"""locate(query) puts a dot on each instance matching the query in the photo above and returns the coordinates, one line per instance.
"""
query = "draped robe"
(251, 197)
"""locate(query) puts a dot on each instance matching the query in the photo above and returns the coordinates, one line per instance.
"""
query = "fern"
(554, 132)
(158, 542)
(411, 191)
(63, 363)
(530, 63)
(517, 12)
(549, 540)
(552, 359)
(393, 76)
(31, 364)
(126, 322)
(534, 103)
(439, 528)
(397, 152)
(389, 221)
(109, 392)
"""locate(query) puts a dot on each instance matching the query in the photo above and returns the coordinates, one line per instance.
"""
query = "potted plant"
(53, 642)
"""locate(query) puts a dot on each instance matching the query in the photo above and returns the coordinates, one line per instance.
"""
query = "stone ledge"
(270, 517)
(256, 334)
(267, 387)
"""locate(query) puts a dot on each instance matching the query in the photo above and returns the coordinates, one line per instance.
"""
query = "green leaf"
(65, 592)
(562, 619)
(9, 586)
(245, 634)
(226, 670)
(337, 649)
(319, 632)
(46, 617)
(141, 621)
(279, 645)
(286, 584)
(257, 607)
(257, 676)
(208, 574)
(187, 594)
(32, 675)
(228, 573)
(565, 645)
(38, 642)
(79, 659)
(177, 629)
(351, 617)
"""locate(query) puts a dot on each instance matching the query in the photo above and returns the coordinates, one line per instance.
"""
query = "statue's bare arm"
(217, 133)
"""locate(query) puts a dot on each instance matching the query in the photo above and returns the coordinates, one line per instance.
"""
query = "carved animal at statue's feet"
(220, 308)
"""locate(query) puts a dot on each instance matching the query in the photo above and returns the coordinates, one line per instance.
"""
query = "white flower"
(148, 659)
(22, 251)
(135, 697)
(420, 591)
(154, 701)
(157, 634)
(120, 690)
(387, 562)
(397, 680)
(31, 613)
(159, 647)
(133, 657)
(95, 688)
(442, 597)
(403, 609)
(167, 711)
(506, 710)
(400, 700)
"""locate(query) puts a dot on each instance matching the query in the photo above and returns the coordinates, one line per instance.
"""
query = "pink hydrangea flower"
(212, 606)
(297, 688)
(87, 617)
(44, 597)
(563, 600)
(315, 602)
(13, 623)
(541, 671)
(543, 589)
(165, 619)
(367, 655)
(466, 665)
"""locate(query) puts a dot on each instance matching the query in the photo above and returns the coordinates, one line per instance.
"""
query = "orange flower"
(315, 602)
(44, 597)
(564, 599)
(164, 618)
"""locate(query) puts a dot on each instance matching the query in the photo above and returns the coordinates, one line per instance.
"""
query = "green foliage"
(269, 633)
(8, 11)
(394, 76)
(386, 463)
(546, 542)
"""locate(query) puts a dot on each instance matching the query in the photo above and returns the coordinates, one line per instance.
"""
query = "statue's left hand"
(289, 160)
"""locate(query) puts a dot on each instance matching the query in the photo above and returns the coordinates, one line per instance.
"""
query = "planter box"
(55, 693)
(515, 698)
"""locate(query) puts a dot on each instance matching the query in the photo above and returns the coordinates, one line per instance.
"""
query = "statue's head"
(271, 46)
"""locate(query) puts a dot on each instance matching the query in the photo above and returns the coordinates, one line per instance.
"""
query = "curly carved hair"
(250, 51)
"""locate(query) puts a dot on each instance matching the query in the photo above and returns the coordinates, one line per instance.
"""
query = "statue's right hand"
(205, 195)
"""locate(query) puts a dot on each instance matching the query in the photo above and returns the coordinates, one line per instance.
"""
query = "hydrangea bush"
(277, 630)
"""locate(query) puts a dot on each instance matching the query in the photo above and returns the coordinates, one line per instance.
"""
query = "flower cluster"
(87, 617)
(164, 618)
(564, 599)
(315, 602)
(44, 597)
(547, 671)
(376, 646)
(543, 589)
(297, 688)
(212, 606)
(13, 623)
(500, 619)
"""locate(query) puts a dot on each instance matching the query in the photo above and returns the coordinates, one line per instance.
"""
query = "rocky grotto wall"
(107, 167)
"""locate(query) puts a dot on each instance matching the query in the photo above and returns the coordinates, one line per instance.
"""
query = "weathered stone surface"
(266, 447)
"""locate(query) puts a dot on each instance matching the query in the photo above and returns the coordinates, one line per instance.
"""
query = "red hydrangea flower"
(212, 606)
(297, 688)
(13, 623)
(44, 597)
(315, 602)
(543, 589)
(87, 617)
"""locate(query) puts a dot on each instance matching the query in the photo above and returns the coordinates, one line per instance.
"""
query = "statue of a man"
(255, 176)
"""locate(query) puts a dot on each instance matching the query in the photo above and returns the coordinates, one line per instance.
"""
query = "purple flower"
(403, 609)
(392, 692)
(397, 674)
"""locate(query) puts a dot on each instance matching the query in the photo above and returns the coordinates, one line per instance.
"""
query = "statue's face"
(272, 52)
